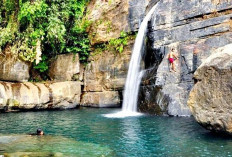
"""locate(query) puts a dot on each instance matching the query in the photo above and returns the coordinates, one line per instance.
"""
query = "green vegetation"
(116, 45)
(40, 29)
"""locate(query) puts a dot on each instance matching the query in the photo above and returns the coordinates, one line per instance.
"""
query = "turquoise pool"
(86, 132)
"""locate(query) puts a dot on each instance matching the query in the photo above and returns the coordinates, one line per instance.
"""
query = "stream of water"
(134, 76)
(86, 133)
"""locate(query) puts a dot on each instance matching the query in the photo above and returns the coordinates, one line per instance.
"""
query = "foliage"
(8, 34)
(42, 66)
(118, 44)
(44, 27)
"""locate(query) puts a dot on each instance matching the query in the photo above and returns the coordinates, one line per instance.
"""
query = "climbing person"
(172, 56)
(39, 132)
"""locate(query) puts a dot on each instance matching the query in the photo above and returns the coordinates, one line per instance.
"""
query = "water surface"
(86, 132)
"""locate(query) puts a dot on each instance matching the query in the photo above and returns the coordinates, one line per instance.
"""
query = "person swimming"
(39, 132)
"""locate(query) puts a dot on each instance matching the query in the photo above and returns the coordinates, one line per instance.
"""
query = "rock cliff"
(210, 100)
(28, 96)
(194, 29)
(111, 17)
(104, 76)
(106, 72)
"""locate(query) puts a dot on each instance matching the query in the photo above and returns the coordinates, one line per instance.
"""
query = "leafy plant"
(47, 27)
(118, 44)
(42, 66)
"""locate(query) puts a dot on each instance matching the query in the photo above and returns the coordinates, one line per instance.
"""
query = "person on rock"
(172, 56)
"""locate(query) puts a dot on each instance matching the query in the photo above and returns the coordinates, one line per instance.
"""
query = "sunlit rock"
(109, 18)
(24, 96)
(12, 68)
(101, 99)
(64, 67)
(210, 100)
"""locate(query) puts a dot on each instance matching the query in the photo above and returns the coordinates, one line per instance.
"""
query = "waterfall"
(134, 75)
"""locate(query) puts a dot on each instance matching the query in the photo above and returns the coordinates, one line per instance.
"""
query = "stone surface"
(109, 18)
(194, 29)
(210, 100)
(101, 99)
(24, 96)
(64, 67)
(104, 78)
(13, 69)
(107, 73)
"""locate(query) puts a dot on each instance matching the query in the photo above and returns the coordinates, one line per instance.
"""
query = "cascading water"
(134, 75)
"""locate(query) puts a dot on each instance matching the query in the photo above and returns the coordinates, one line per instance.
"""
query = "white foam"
(122, 114)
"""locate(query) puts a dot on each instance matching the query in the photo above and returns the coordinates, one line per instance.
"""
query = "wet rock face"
(64, 67)
(210, 100)
(24, 96)
(194, 29)
(13, 69)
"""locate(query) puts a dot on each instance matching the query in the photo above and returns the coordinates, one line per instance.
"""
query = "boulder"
(101, 99)
(210, 100)
(12, 68)
(194, 29)
(25, 96)
(64, 67)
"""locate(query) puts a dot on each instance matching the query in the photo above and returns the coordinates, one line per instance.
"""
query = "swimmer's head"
(39, 132)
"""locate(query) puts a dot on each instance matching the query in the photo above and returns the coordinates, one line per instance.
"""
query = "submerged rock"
(24, 96)
(47, 146)
(210, 100)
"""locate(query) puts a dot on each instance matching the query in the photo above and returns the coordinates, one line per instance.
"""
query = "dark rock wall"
(137, 11)
(194, 29)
